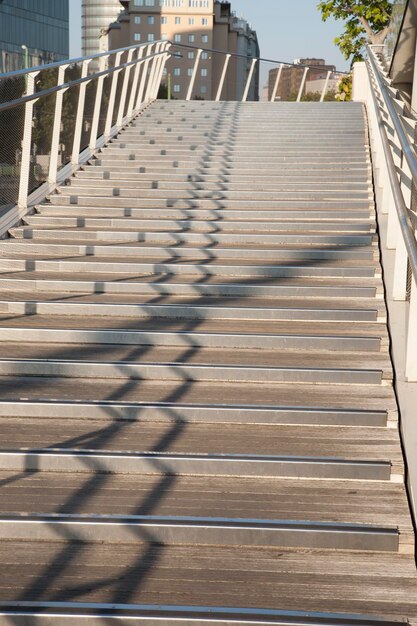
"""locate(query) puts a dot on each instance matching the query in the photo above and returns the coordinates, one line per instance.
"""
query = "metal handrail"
(406, 225)
(259, 59)
(4, 106)
(137, 89)
(408, 150)
(55, 64)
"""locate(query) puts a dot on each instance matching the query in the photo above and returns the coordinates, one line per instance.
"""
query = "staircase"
(198, 423)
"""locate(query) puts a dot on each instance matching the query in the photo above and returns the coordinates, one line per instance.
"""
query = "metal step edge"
(362, 218)
(164, 411)
(214, 289)
(363, 240)
(84, 221)
(190, 203)
(88, 461)
(194, 530)
(181, 371)
(42, 613)
(97, 250)
(114, 267)
(186, 311)
(195, 339)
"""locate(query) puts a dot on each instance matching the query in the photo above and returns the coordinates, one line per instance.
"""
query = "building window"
(203, 89)
(177, 71)
(164, 37)
(191, 38)
(204, 72)
(151, 37)
(137, 19)
(204, 21)
(137, 36)
(191, 21)
(204, 38)
(177, 38)
(191, 55)
(164, 20)
(178, 20)
(177, 88)
(144, 3)
(151, 19)
(204, 56)
(190, 71)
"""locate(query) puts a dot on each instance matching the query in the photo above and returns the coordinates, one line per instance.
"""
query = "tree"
(366, 21)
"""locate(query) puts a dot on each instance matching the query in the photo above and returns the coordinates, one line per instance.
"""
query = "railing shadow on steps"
(135, 575)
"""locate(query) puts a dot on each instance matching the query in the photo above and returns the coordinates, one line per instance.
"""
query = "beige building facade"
(190, 25)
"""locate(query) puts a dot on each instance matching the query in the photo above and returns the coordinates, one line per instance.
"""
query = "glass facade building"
(97, 15)
(40, 25)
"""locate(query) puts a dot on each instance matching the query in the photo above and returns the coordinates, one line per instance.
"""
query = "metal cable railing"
(83, 102)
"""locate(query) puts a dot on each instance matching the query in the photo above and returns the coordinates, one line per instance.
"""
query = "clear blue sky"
(287, 29)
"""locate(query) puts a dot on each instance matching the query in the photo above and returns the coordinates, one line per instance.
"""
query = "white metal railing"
(147, 61)
(124, 81)
(254, 62)
(392, 136)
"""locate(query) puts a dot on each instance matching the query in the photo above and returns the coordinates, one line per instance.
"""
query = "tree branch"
(367, 27)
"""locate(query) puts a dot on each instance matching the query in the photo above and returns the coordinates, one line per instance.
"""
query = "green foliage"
(315, 96)
(366, 21)
(344, 92)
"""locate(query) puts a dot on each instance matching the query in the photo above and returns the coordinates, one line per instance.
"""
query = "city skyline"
(311, 38)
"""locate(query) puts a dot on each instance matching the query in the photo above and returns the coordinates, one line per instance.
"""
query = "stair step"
(185, 311)
(205, 239)
(122, 495)
(154, 266)
(346, 219)
(315, 201)
(173, 573)
(133, 249)
(54, 282)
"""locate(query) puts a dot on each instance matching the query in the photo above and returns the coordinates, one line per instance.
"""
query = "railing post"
(411, 353)
(133, 92)
(112, 99)
(326, 84)
(75, 157)
(26, 143)
(248, 82)
(56, 129)
(154, 63)
(123, 96)
(303, 82)
(144, 76)
(158, 76)
(155, 77)
(194, 74)
(222, 78)
(97, 103)
(399, 291)
(277, 80)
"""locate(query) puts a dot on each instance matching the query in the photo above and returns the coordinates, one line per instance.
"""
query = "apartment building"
(292, 76)
(192, 24)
